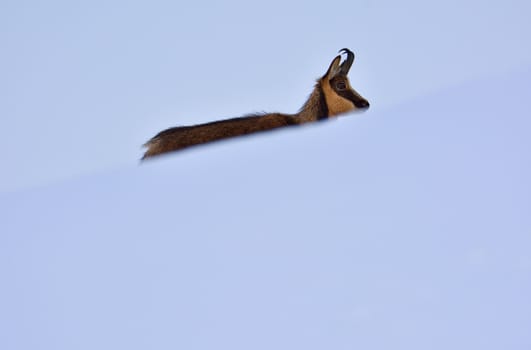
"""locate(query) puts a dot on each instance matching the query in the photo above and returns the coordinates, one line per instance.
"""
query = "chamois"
(331, 96)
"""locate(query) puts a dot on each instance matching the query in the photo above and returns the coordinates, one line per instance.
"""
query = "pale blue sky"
(84, 84)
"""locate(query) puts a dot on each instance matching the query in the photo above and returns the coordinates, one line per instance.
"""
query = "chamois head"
(339, 95)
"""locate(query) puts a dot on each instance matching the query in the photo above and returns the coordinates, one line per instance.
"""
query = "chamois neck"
(315, 108)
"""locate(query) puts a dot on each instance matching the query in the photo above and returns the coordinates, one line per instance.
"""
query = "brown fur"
(181, 137)
(332, 95)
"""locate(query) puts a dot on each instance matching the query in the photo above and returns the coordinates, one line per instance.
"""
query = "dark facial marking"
(340, 86)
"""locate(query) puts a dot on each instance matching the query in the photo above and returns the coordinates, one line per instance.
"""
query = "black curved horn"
(345, 66)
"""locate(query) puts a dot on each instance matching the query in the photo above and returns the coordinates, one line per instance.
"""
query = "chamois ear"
(333, 69)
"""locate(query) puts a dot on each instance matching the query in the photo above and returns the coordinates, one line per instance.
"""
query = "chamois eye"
(341, 85)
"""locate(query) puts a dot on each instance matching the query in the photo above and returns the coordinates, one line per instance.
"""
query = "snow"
(404, 228)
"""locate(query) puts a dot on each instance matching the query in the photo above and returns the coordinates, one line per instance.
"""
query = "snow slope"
(403, 229)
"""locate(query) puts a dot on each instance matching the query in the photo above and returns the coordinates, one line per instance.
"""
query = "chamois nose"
(364, 104)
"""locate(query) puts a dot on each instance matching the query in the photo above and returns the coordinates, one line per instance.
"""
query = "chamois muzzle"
(345, 66)
(362, 104)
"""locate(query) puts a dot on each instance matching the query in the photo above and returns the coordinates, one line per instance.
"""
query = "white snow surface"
(408, 228)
